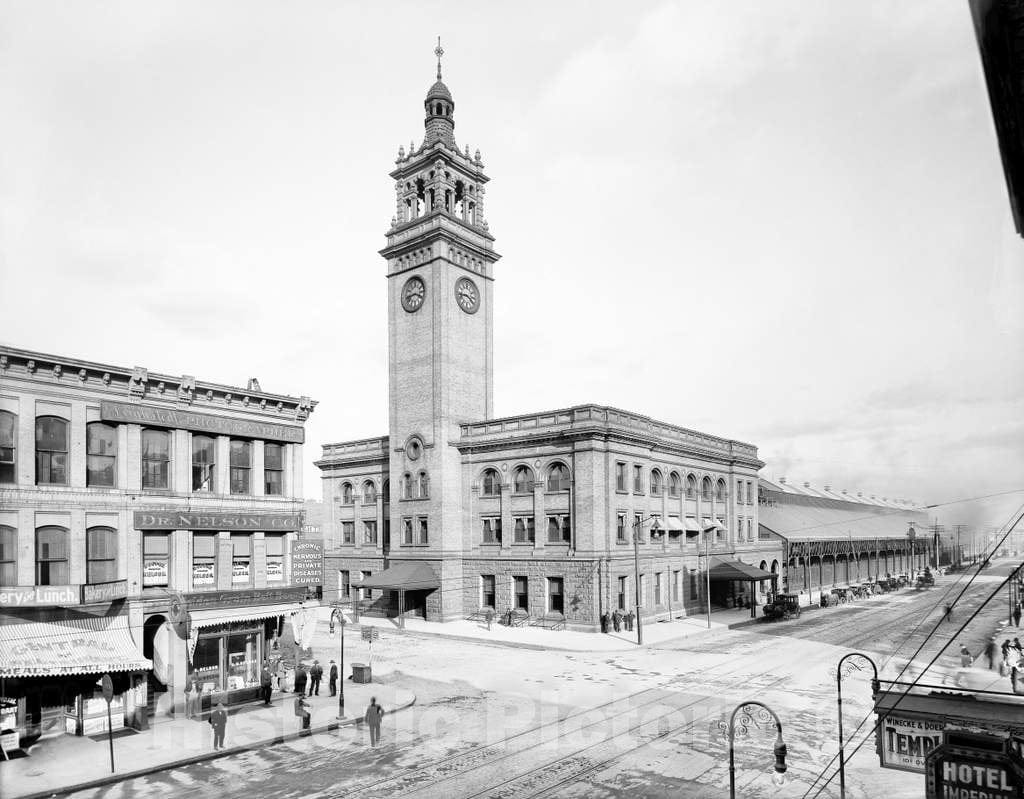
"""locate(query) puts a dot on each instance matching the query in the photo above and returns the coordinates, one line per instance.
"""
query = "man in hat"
(266, 682)
(219, 721)
(332, 678)
(315, 675)
(372, 717)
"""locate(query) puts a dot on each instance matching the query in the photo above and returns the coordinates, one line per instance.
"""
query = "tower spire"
(439, 51)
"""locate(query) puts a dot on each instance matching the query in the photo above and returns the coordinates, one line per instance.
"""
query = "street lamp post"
(839, 703)
(337, 614)
(708, 530)
(637, 526)
(912, 540)
(762, 714)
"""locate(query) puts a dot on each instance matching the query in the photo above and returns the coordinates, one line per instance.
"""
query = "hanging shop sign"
(958, 770)
(104, 592)
(213, 520)
(200, 422)
(38, 595)
(308, 563)
(907, 741)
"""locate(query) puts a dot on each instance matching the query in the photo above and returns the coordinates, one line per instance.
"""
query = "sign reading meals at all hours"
(200, 422)
(308, 563)
(215, 520)
(907, 741)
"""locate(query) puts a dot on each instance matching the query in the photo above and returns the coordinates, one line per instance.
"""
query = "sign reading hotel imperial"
(211, 520)
(200, 422)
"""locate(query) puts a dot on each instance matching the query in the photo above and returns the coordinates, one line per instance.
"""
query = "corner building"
(147, 523)
(454, 511)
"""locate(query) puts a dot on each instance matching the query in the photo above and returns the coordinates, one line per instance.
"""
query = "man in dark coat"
(605, 618)
(302, 710)
(617, 620)
(315, 675)
(1016, 614)
(266, 682)
(219, 721)
(300, 679)
(332, 679)
(629, 620)
(372, 717)
(990, 652)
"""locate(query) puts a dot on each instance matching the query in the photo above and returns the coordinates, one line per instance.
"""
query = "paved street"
(499, 722)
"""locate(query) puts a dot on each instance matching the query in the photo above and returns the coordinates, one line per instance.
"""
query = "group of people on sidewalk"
(617, 620)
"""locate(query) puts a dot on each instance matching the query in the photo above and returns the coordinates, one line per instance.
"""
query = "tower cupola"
(440, 107)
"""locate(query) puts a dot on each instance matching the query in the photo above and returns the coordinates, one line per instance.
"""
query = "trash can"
(361, 673)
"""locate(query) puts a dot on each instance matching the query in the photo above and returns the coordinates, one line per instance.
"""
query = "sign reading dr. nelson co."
(200, 422)
(906, 742)
(213, 520)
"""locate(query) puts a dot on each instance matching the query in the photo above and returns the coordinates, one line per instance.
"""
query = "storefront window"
(204, 560)
(206, 663)
(155, 548)
(241, 558)
(242, 656)
(275, 558)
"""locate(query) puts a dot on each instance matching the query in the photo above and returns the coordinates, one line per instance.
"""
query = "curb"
(205, 756)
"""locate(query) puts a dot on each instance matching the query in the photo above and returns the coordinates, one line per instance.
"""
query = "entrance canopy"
(91, 645)
(412, 576)
(728, 570)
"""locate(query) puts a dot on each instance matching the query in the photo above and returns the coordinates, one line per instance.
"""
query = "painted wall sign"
(104, 592)
(37, 595)
(907, 741)
(200, 422)
(214, 520)
(308, 563)
(232, 599)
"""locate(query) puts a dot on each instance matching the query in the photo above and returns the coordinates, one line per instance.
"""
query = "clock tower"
(440, 271)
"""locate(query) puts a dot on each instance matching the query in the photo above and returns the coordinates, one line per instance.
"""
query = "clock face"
(413, 293)
(467, 295)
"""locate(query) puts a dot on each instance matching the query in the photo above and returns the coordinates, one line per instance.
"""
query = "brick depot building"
(455, 511)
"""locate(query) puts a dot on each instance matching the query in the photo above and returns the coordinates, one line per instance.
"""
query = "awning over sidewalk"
(215, 616)
(728, 570)
(691, 525)
(71, 646)
(674, 524)
(410, 576)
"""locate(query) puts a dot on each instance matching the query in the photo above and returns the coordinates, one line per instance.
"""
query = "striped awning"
(215, 616)
(91, 645)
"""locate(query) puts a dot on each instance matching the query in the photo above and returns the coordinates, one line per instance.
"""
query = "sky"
(784, 223)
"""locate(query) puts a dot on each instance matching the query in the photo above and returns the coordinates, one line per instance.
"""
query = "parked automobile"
(783, 606)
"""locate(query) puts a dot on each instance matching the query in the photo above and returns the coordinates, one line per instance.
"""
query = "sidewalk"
(69, 762)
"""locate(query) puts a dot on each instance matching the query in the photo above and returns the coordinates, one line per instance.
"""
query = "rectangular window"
(241, 558)
(739, 492)
(424, 538)
(750, 493)
(677, 585)
(348, 532)
(275, 557)
(101, 454)
(522, 597)
(658, 580)
(750, 529)
(52, 556)
(638, 527)
(620, 529)
(241, 466)
(366, 593)
(555, 596)
(344, 584)
(204, 463)
(8, 556)
(100, 555)
(407, 531)
(204, 560)
(492, 530)
(622, 593)
(620, 476)
(51, 452)
(487, 592)
(156, 457)
(638, 479)
(155, 550)
(273, 469)
(559, 529)
(370, 531)
(524, 530)
(8, 446)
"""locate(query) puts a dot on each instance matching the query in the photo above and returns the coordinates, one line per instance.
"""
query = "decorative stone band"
(199, 422)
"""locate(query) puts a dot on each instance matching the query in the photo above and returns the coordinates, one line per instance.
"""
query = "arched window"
(156, 455)
(8, 555)
(720, 490)
(691, 487)
(522, 480)
(406, 486)
(675, 485)
(101, 454)
(422, 485)
(8, 446)
(705, 489)
(491, 483)
(52, 556)
(655, 481)
(369, 493)
(346, 494)
(100, 555)
(558, 477)
(51, 451)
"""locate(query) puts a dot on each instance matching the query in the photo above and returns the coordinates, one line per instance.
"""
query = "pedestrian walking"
(300, 679)
(197, 699)
(332, 678)
(374, 713)
(617, 619)
(219, 722)
(315, 675)
(990, 652)
(949, 612)
(630, 617)
(190, 687)
(302, 710)
(966, 659)
(1006, 649)
(489, 616)
(1016, 645)
(605, 619)
(1016, 615)
(266, 682)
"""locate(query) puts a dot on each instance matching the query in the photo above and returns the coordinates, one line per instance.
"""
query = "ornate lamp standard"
(636, 568)
(912, 540)
(713, 527)
(337, 614)
(759, 716)
(839, 703)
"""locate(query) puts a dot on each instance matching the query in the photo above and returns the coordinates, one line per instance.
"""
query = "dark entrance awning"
(409, 576)
(728, 570)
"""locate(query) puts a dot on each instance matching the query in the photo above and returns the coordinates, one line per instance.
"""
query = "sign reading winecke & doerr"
(199, 422)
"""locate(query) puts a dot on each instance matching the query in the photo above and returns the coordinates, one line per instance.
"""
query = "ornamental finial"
(439, 51)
